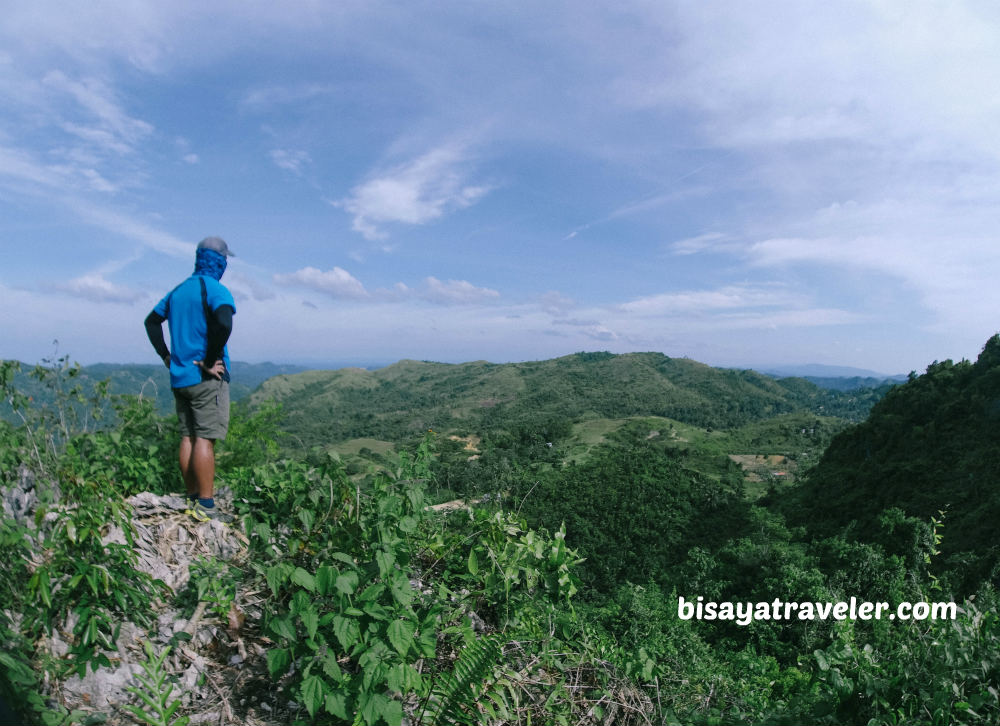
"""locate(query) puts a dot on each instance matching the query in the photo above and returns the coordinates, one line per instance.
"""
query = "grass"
(354, 447)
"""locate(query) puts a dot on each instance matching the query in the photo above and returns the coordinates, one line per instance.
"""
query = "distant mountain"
(148, 380)
(409, 397)
(818, 370)
(836, 378)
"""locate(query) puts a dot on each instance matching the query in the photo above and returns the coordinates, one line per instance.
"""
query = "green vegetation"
(410, 397)
(928, 449)
(606, 488)
(150, 382)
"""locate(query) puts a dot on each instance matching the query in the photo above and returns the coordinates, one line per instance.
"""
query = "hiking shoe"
(206, 514)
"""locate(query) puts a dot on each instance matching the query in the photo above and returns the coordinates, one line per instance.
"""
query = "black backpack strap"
(209, 322)
(204, 300)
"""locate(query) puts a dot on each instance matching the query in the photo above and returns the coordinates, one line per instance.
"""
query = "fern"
(455, 695)
(155, 692)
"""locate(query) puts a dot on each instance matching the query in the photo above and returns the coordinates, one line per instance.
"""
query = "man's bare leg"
(197, 459)
(187, 470)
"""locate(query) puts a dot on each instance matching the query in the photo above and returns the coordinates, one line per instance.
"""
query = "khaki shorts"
(203, 409)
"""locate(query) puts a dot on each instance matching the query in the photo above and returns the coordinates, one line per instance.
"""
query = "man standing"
(199, 313)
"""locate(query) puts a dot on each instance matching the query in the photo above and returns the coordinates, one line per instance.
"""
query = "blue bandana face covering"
(209, 263)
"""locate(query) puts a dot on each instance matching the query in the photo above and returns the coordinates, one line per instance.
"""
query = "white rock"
(104, 688)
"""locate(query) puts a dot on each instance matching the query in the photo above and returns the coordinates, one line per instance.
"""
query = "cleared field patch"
(586, 435)
(595, 431)
(354, 446)
(761, 470)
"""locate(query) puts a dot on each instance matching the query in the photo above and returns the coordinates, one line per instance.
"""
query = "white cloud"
(191, 158)
(116, 130)
(290, 160)
(555, 303)
(731, 297)
(416, 192)
(22, 166)
(98, 289)
(337, 282)
(245, 286)
(265, 99)
(125, 226)
(456, 292)
(702, 243)
(826, 72)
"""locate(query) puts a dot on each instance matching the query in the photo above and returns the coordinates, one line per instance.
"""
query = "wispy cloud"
(290, 160)
(266, 98)
(336, 282)
(415, 192)
(456, 292)
(115, 129)
(710, 241)
(96, 288)
(730, 297)
(339, 283)
(245, 286)
(126, 226)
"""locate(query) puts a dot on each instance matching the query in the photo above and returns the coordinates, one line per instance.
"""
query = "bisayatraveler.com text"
(744, 613)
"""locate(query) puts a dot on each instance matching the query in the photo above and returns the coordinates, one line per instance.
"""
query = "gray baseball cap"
(216, 244)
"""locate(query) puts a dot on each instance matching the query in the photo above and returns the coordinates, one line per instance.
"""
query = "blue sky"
(744, 184)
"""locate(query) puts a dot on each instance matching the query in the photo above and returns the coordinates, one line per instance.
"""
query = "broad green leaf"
(372, 675)
(307, 518)
(392, 712)
(336, 704)
(310, 619)
(374, 708)
(347, 631)
(304, 579)
(416, 497)
(326, 576)
(372, 592)
(313, 693)
(396, 678)
(407, 524)
(283, 627)
(347, 582)
(473, 563)
(427, 642)
(331, 668)
(276, 577)
(376, 611)
(400, 634)
(345, 558)
(300, 602)
(647, 669)
(401, 589)
(278, 660)
(385, 561)
(821, 660)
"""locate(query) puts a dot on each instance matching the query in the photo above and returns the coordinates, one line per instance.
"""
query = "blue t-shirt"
(185, 316)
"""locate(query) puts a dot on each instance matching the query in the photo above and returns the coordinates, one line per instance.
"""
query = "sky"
(743, 184)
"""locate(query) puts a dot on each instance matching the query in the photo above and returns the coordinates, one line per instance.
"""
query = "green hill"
(410, 397)
(930, 445)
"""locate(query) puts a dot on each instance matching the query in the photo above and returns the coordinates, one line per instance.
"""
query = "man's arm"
(154, 331)
(220, 327)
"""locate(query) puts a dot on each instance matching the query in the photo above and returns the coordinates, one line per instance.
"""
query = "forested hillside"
(930, 449)
(410, 397)
(589, 494)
